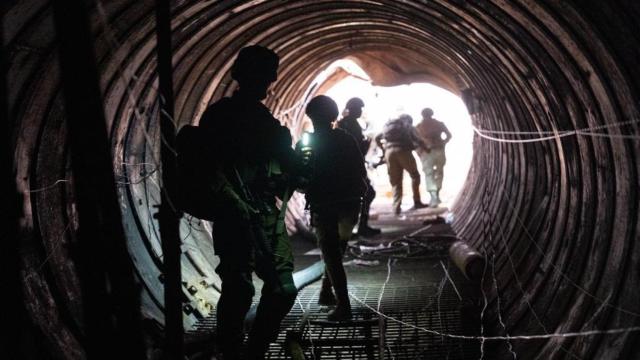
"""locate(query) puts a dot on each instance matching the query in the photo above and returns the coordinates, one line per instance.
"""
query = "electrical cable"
(554, 132)
(555, 268)
(405, 247)
(553, 135)
(500, 338)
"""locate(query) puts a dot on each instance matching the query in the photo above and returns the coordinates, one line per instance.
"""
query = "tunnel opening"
(389, 102)
(344, 79)
(556, 216)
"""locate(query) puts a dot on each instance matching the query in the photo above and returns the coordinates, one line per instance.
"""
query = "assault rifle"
(264, 258)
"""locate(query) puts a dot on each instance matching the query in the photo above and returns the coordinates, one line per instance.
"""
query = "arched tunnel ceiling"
(559, 217)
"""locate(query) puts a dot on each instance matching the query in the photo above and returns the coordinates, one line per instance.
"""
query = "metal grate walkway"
(423, 307)
(417, 296)
(415, 306)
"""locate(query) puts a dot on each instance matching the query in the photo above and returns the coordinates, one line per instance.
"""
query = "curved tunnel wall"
(557, 219)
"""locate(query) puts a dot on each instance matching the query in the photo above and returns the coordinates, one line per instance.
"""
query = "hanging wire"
(499, 305)
(60, 181)
(555, 268)
(487, 238)
(553, 135)
(501, 338)
(485, 231)
(427, 246)
(502, 237)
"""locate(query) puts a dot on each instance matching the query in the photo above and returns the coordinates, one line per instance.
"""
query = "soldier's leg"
(347, 218)
(233, 247)
(326, 296)
(278, 294)
(363, 227)
(394, 169)
(429, 173)
(409, 164)
(439, 160)
(433, 168)
(329, 239)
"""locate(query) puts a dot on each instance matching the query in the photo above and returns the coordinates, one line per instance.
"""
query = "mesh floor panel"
(414, 308)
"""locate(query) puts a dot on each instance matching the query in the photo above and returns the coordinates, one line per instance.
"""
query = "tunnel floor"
(408, 283)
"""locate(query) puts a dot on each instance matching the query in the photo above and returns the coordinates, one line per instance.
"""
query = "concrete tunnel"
(559, 215)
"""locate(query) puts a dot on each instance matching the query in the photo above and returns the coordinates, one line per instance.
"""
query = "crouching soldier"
(334, 194)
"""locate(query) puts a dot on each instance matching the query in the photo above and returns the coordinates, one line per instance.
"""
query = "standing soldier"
(334, 193)
(253, 158)
(435, 135)
(349, 123)
(398, 140)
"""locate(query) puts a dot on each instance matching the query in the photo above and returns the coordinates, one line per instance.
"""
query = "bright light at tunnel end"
(383, 103)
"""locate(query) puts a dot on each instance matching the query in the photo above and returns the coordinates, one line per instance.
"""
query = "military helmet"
(255, 62)
(427, 112)
(406, 119)
(322, 108)
(354, 102)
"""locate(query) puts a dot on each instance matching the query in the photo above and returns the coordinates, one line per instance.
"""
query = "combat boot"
(326, 296)
(342, 312)
(418, 205)
(363, 227)
(366, 231)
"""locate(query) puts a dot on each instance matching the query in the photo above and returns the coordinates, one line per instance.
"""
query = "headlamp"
(306, 139)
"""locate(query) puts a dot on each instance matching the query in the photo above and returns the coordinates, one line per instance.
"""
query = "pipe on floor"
(470, 262)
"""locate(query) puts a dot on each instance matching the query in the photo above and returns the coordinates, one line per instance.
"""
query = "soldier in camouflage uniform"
(349, 123)
(255, 163)
(334, 195)
(399, 139)
(433, 157)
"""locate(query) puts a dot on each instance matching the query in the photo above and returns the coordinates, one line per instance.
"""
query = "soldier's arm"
(290, 160)
(231, 203)
(228, 200)
(447, 133)
(355, 157)
(417, 140)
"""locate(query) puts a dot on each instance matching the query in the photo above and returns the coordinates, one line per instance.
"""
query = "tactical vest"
(397, 135)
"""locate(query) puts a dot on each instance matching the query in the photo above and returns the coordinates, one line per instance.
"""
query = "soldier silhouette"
(254, 161)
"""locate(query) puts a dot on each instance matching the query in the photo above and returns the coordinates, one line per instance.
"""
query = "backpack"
(394, 131)
(196, 164)
(336, 169)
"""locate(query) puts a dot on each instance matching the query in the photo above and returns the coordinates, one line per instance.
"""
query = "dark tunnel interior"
(553, 87)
